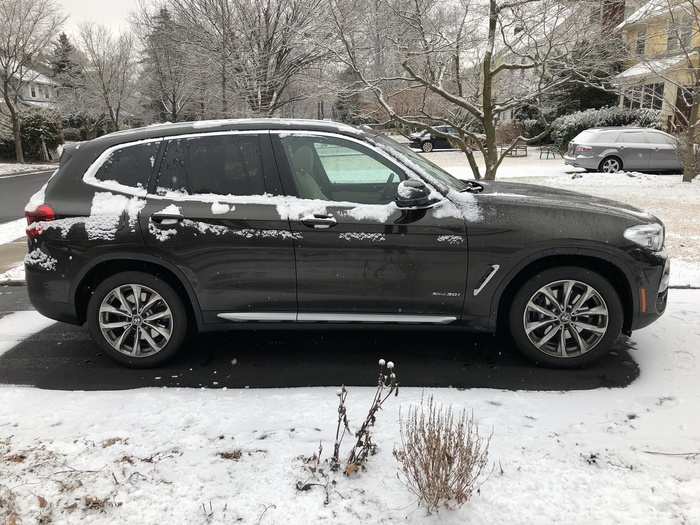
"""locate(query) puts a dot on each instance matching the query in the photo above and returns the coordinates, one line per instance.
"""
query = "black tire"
(610, 158)
(427, 146)
(534, 284)
(173, 301)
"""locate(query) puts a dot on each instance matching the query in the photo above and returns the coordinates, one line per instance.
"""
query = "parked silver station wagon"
(613, 149)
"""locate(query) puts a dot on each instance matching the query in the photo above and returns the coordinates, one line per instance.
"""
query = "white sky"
(112, 13)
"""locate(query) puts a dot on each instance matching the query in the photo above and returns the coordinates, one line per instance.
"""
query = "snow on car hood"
(535, 195)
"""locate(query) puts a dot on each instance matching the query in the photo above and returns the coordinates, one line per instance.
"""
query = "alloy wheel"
(135, 320)
(566, 318)
(427, 147)
(611, 166)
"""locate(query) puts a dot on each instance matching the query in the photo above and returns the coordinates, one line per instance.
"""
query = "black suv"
(149, 234)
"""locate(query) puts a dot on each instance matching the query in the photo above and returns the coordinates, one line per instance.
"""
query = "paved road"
(63, 357)
(15, 191)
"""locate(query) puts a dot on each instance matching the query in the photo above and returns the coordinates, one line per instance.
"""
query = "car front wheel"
(138, 319)
(427, 146)
(566, 317)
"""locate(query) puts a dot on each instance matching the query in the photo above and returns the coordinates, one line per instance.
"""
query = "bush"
(38, 125)
(442, 457)
(566, 127)
(72, 134)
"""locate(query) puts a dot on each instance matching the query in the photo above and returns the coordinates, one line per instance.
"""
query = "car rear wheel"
(427, 146)
(138, 319)
(566, 317)
(610, 165)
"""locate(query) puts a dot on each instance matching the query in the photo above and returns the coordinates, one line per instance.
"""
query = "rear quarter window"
(130, 165)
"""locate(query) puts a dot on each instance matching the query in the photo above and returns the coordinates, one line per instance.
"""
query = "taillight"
(583, 149)
(42, 213)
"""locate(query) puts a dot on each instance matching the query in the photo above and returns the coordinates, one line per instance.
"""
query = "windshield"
(417, 162)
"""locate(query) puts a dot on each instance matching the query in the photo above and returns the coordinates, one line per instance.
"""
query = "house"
(38, 90)
(663, 42)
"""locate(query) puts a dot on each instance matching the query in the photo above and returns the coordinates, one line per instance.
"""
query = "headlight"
(650, 236)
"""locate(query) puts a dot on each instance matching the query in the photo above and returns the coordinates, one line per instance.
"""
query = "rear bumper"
(581, 161)
(49, 294)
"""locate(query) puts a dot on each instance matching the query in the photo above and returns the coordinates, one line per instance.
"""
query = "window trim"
(90, 179)
(89, 175)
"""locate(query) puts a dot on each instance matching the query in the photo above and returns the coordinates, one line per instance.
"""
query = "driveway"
(63, 357)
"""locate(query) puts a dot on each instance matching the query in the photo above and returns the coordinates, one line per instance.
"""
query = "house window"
(640, 44)
(33, 90)
(649, 96)
(680, 34)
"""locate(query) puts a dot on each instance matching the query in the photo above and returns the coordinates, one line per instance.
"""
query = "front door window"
(339, 170)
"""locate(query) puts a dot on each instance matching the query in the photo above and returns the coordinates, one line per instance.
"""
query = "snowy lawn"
(183, 456)
(12, 168)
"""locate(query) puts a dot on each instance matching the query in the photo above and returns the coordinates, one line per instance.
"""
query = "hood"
(418, 134)
(533, 195)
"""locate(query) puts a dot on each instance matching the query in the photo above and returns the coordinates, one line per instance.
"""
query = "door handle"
(167, 218)
(319, 221)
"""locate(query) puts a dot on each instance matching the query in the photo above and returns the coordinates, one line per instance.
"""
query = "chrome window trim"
(89, 175)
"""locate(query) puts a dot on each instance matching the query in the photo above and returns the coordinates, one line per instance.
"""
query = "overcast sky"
(112, 13)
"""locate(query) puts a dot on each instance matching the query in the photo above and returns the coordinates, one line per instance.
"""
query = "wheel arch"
(611, 155)
(603, 266)
(107, 266)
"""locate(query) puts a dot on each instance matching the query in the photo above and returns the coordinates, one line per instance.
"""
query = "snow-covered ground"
(13, 230)
(12, 168)
(154, 455)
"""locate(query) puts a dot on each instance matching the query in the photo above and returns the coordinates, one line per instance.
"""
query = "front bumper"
(652, 288)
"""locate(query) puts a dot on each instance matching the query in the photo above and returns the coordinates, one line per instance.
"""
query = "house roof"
(650, 67)
(650, 9)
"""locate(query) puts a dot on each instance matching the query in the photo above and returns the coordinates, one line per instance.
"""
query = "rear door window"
(218, 164)
(130, 166)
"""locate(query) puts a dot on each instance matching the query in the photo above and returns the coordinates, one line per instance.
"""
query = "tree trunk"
(224, 87)
(17, 132)
(690, 162)
(472, 163)
(491, 153)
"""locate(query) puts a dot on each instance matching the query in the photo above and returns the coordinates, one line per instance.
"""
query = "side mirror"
(412, 194)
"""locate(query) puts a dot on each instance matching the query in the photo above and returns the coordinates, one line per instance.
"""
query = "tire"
(427, 146)
(591, 344)
(168, 318)
(610, 165)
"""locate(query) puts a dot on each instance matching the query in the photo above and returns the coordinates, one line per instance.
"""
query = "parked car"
(427, 142)
(613, 149)
(151, 234)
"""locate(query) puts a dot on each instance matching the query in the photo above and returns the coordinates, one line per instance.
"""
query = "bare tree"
(259, 47)
(167, 77)
(26, 30)
(206, 27)
(108, 70)
(476, 62)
